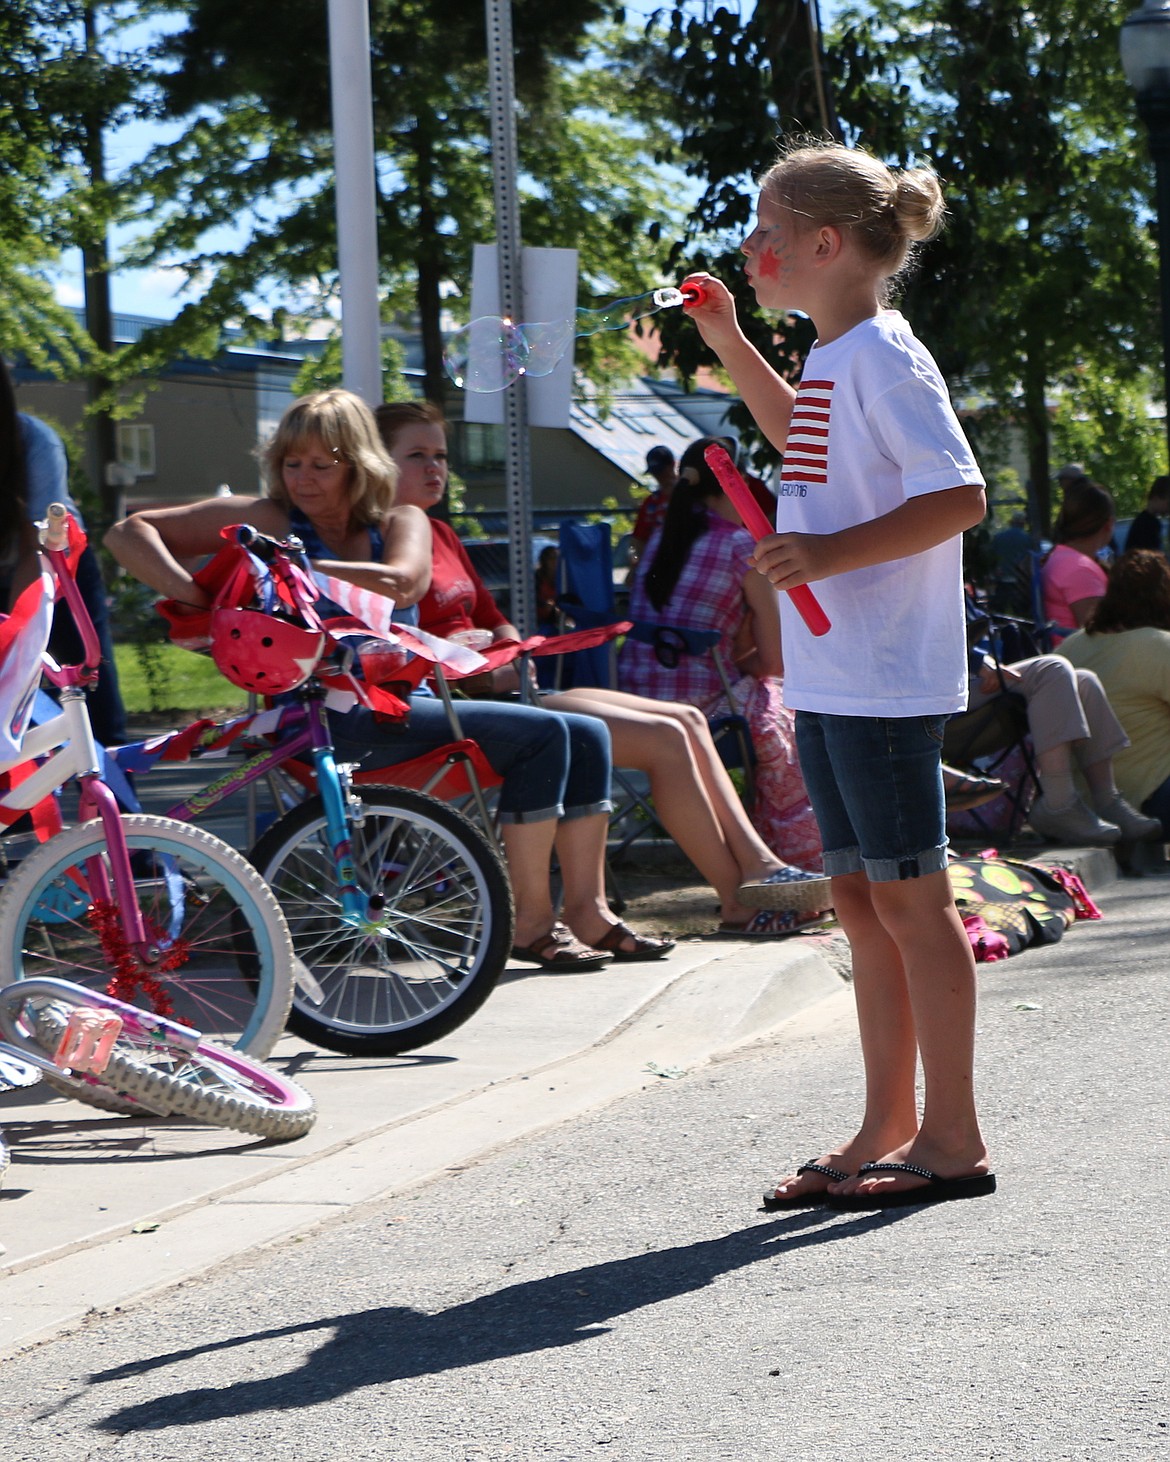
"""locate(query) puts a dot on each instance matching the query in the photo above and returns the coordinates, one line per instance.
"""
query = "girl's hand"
(788, 560)
(714, 312)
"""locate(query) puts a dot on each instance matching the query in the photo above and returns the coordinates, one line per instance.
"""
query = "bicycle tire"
(443, 937)
(206, 903)
(210, 1084)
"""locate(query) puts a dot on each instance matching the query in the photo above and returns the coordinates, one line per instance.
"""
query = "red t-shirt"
(650, 516)
(457, 598)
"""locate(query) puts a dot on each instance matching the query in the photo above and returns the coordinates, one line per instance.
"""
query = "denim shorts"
(876, 788)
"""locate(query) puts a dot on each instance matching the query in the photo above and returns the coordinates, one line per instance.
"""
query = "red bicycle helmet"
(261, 653)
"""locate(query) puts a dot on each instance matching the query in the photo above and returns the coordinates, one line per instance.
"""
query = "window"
(136, 448)
(480, 448)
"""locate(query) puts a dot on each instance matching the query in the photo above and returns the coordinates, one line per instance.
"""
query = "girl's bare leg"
(886, 1026)
(925, 926)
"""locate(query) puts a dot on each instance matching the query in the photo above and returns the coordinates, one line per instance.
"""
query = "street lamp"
(1145, 59)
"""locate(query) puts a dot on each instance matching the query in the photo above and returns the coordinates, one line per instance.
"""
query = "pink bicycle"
(120, 1058)
(147, 910)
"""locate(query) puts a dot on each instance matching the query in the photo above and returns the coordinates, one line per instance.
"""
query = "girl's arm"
(156, 544)
(766, 394)
(404, 573)
(789, 559)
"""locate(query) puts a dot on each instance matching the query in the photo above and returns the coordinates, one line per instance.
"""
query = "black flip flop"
(937, 1190)
(772, 1204)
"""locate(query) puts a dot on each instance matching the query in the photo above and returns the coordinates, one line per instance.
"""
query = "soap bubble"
(491, 353)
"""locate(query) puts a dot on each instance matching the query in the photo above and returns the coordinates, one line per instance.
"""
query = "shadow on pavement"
(391, 1343)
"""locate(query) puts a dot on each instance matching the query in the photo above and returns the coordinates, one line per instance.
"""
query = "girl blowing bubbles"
(878, 486)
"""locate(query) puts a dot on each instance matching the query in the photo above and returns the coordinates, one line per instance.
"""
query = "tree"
(737, 82)
(63, 87)
(256, 155)
(41, 204)
(1105, 423)
(1022, 111)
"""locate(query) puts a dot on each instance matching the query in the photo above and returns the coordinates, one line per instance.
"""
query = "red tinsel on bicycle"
(129, 977)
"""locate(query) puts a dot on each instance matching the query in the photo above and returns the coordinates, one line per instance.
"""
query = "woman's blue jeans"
(553, 764)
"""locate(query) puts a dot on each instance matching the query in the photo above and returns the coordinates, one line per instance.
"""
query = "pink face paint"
(768, 265)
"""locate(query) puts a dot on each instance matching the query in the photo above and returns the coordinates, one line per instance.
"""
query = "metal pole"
(357, 225)
(1154, 110)
(518, 467)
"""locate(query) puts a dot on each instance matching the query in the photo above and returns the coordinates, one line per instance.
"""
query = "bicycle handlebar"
(267, 549)
(55, 540)
(55, 535)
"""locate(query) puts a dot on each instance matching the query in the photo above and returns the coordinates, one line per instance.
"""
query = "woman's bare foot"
(845, 1159)
(922, 1153)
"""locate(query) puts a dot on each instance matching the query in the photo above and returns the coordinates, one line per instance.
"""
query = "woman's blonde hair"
(345, 425)
(887, 211)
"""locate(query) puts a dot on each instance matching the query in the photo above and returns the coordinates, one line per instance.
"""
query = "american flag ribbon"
(374, 610)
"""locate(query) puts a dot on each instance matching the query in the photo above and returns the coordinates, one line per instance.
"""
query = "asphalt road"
(610, 1289)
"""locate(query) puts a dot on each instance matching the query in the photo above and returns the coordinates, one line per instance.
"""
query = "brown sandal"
(643, 948)
(559, 951)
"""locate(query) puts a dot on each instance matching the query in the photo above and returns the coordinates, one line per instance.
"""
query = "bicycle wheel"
(211, 1084)
(221, 960)
(421, 963)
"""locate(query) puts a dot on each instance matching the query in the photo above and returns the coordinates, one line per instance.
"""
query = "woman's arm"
(789, 559)
(156, 544)
(404, 573)
(1080, 609)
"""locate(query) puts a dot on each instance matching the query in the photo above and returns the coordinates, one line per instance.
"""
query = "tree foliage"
(1022, 110)
(50, 89)
(243, 201)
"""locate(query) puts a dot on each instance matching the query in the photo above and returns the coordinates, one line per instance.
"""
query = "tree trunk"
(1036, 435)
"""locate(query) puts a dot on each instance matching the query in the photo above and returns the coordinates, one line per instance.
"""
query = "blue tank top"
(316, 547)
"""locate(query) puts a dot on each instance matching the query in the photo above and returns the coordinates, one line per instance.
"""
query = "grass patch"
(172, 680)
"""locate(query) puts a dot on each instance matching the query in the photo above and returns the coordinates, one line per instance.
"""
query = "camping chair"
(1044, 632)
(731, 733)
(586, 600)
(990, 741)
(993, 739)
(586, 569)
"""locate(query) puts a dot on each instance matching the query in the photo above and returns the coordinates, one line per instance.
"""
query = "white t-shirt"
(872, 427)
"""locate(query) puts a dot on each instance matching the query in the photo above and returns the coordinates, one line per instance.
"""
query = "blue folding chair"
(586, 597)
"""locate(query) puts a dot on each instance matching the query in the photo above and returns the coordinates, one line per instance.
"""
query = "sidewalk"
(97, 1211)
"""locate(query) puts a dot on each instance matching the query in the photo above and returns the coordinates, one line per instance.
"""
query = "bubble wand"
(756, 522)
